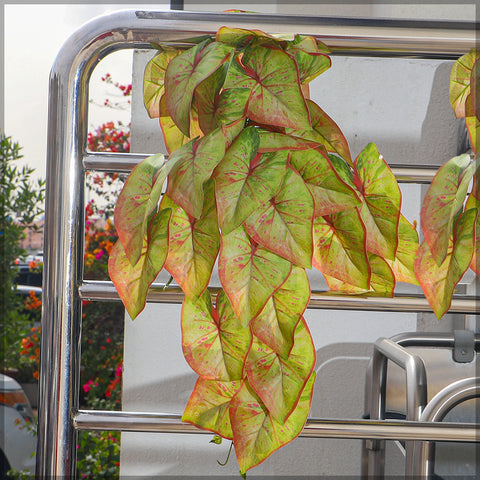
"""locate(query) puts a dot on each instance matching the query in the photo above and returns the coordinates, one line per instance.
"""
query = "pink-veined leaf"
(284, 224)
(324, 131)
(460, 77)
(277, 380)
(250, 274)
(200, 338)
(443, 201)
(330, 193)
(232, 130)
(340, 248)
(276, 97)
(172, 136)
(208, 406)
(276, 323)
(154, 78)
(474, 202)
(132, 281)
(473, 127)
(193, 244)
(310, 60)
(235, 339)
(244, 179)
(185, 72)
(214, 343)
(274, 141)
(403, 265)
(195, 162)
(231, 105)
(205, 99)
(138, 201)
(439, 281)
(380, 210)
(382, 281)
(256, 434)
(239, 37)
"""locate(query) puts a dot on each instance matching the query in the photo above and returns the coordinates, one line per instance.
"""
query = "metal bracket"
(464, 346)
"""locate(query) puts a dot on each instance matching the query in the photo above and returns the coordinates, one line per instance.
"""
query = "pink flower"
(99, 255)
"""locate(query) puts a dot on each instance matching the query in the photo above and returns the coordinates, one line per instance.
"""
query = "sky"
(33, 36)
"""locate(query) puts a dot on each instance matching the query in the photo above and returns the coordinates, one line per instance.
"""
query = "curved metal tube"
(416, 379)
(436, 410)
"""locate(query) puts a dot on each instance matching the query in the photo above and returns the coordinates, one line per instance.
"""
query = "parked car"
(17, 438)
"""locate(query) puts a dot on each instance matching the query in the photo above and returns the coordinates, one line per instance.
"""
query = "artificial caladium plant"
(260, 181)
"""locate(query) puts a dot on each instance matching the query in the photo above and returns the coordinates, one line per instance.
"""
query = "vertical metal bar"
(416, 391)
(63, 249)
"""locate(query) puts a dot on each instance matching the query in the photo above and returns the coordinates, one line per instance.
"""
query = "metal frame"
(419, 457)
(67, 161)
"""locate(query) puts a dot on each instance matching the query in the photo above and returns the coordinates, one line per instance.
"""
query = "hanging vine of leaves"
(260, 179)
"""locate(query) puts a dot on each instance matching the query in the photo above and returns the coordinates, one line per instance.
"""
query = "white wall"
(402, 106)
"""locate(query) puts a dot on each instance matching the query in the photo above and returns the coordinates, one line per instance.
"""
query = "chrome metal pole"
(159, 293)
(416, 380)
(124, 162)
(436, 410)
(314, 428)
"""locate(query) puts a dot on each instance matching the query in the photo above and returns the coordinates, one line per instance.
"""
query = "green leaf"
(324, 131)
(460, 77)
(250, 274)
(208, 406)
(239, 37)
(403, 265)
(380, 210)
(234, 338)
(340, 248)
(256, 434)
(330, 193)
(195, 162)
(438, 281)
(154, 77)
(132, 281)
(284, 224)
(382, 281)
(172, 136)
(201, 340)
(473, 127)
(276, 323)
(231, 105)
(205, 98)
(185, 72)
(193, 244)
(214, 343)
(277, 380)
(138, 201)
(274, 141)
(243, 180)
(310, 61)
(276, 97)
(474, 202)
(443, 201)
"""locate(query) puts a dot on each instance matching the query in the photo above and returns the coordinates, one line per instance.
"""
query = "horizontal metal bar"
(125, 162)
(96, 290)
(316, 428)
(352, 36)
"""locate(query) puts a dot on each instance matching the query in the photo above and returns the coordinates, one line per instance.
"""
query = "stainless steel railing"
(67, 160)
